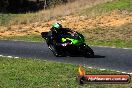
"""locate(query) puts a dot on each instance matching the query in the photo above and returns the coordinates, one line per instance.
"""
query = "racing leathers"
(54, 37)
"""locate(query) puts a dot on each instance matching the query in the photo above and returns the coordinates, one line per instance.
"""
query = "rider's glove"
(65, 44)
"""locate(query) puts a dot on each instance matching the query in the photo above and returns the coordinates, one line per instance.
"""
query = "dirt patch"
(113, 19)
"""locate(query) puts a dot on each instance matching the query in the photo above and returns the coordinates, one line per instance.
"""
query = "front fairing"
(76, 39)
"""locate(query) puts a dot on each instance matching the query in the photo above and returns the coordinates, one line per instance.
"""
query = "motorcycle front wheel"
(57, 53)
(88, 52)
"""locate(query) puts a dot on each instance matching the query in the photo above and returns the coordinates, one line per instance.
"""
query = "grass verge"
(103, 8)
(32, 73)
(34, 38)
(111, 43)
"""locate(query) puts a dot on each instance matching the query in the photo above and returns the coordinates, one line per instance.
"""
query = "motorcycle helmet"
(57, 26)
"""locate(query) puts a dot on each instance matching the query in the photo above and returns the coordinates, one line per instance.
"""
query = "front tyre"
(88, 52)
(56, 52)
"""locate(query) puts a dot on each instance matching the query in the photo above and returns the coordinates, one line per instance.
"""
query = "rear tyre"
(53, 50)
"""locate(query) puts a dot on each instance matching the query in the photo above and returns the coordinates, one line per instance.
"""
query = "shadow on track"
(95, 56)
(98, 56)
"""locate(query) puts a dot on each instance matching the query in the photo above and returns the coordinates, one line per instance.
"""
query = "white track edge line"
(8, 56)
(110, 47)
(102, 69)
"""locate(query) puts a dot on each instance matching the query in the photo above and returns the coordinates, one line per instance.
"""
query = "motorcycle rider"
(56, 32)
(54, 38)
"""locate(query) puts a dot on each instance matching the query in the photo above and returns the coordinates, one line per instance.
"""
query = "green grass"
(112, 43)
(35, 38)
(107, 7)
(32, 73)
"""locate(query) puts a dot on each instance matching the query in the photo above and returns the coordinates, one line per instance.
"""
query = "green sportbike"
(72, 44)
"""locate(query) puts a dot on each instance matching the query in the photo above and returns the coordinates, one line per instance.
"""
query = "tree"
(3, 5)
(28, 5)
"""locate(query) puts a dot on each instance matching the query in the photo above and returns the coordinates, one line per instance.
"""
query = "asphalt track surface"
(105, 57)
